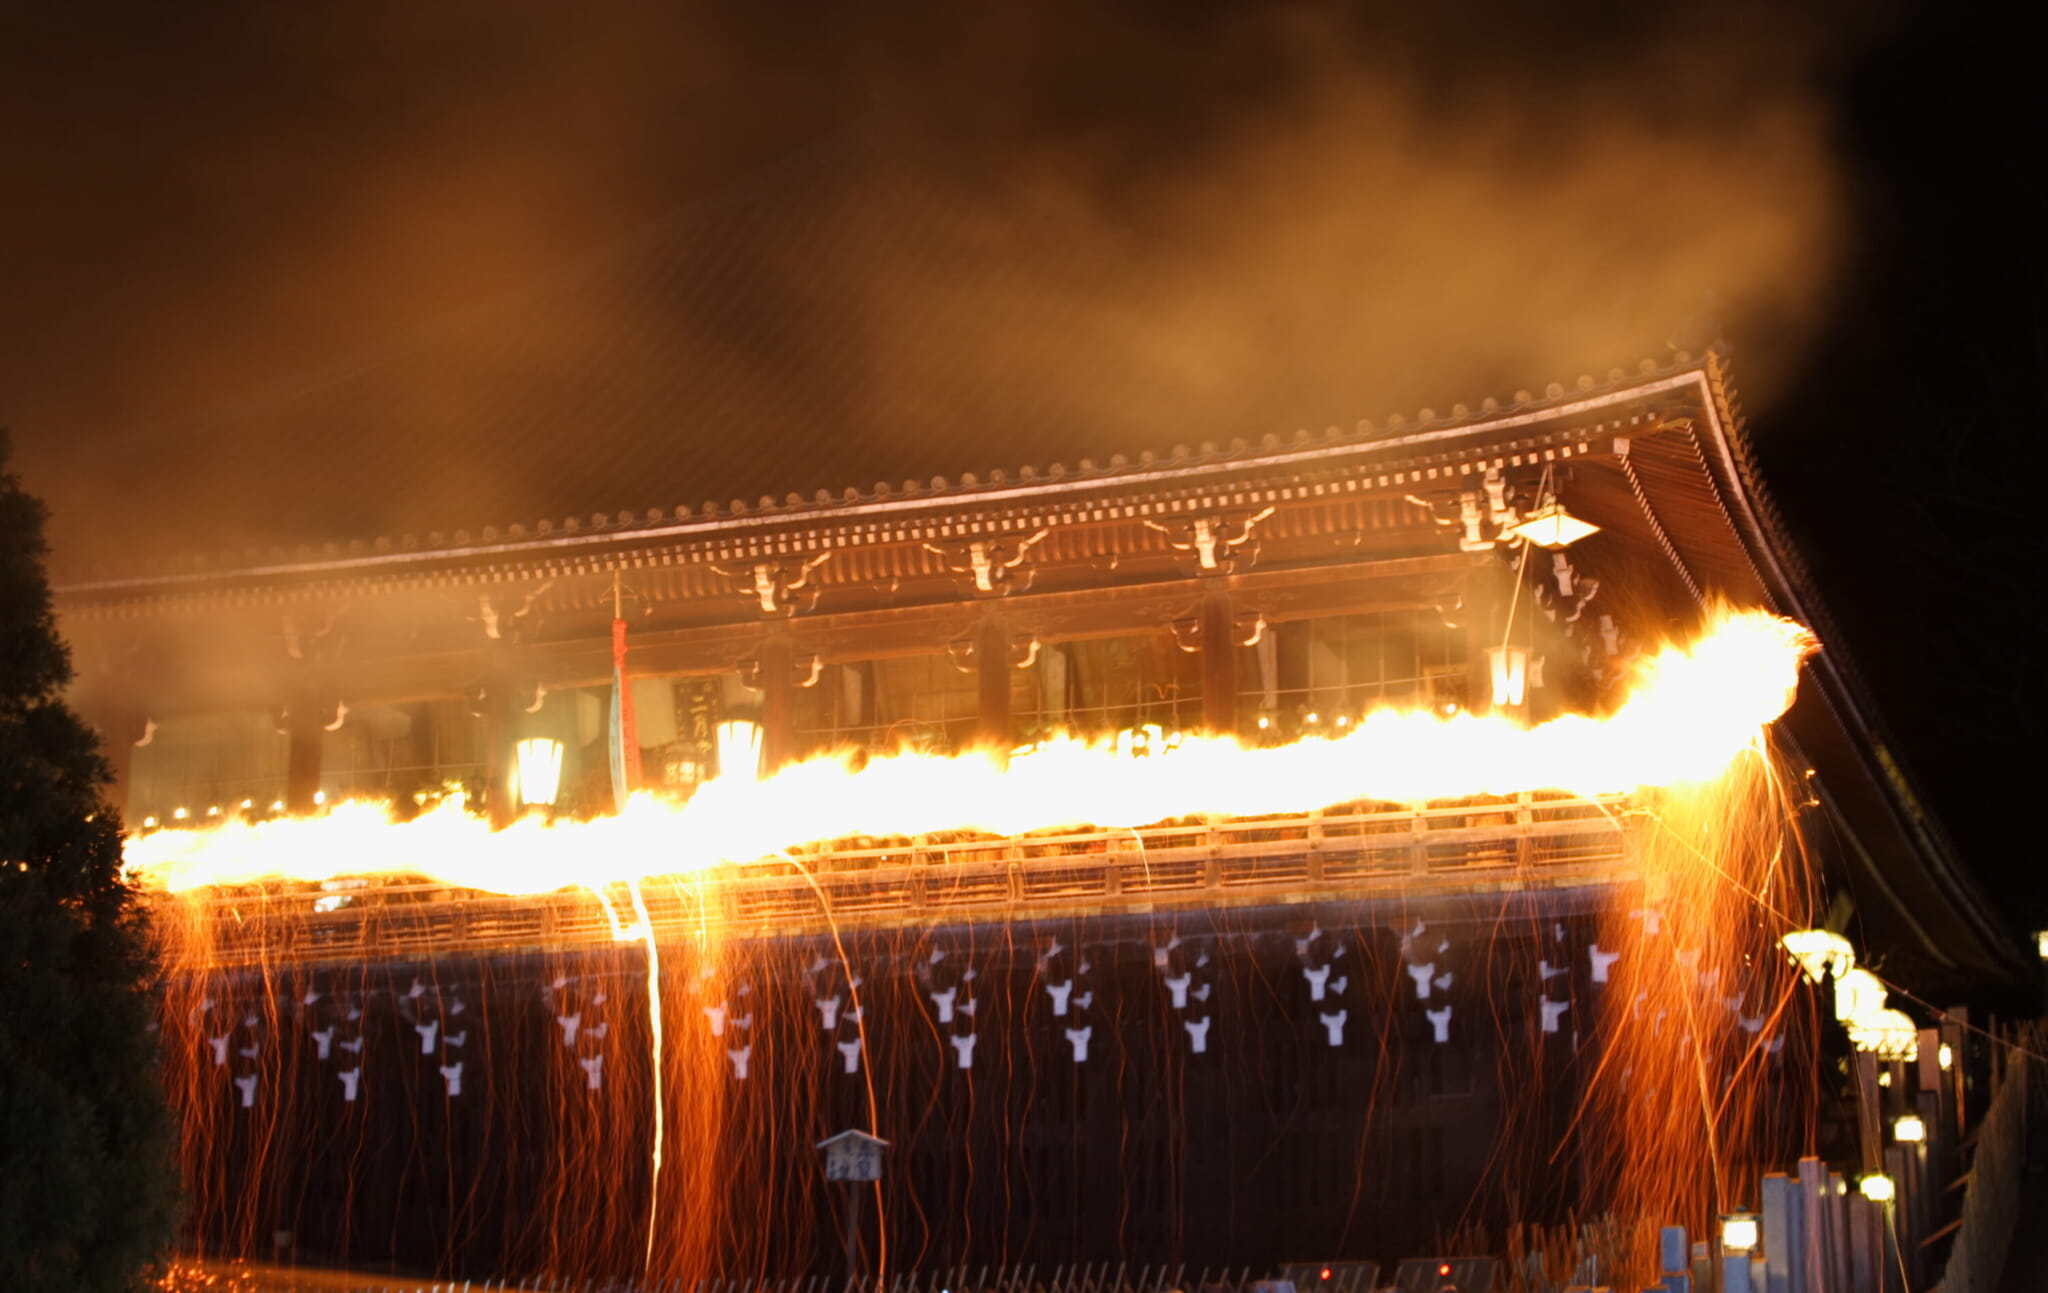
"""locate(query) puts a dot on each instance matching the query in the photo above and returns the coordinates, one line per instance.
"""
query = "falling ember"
(1691, 712)
(1671, 1073)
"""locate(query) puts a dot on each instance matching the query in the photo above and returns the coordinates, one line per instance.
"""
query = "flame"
(1691, 711)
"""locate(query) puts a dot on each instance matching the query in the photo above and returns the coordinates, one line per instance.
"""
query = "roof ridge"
(965, 485)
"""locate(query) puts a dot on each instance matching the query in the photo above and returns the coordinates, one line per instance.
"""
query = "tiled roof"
(966, 488)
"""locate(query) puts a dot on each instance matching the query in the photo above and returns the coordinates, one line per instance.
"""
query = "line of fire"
(1334, 847)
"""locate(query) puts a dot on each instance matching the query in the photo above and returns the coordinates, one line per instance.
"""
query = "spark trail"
(1692, 711)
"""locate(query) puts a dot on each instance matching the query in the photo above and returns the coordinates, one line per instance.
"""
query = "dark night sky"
(277, 273)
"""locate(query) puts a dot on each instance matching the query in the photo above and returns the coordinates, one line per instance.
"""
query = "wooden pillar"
(1489, 589)
(1869, 1112)
(778, 702)
(992, 728)
(305, 730)
(1219, 663)
(119, 728)
(501, 735)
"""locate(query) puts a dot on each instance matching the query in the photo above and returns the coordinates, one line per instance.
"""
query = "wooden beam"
(1219, 662)
(578, 650)
(305, 729)
(777, 680)
(992, 727)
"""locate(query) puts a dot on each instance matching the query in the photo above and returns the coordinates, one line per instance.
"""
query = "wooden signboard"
(853, 1156)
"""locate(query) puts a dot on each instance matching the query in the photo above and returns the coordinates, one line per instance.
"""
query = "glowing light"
(1264, 722)
(1908, 1129)
(2041, 943)
(1509, 668)
(1877, 1188)
(1946, 1057)
(213, 810)
(1891, 1034)
(1858, 994)
(1313, 717)
(1738, 1232)
(1820, 953)
(1873, 1026)
(149, 823)
(539, 770)
(248, 804)
(1691, 713)
(739, 749)
(1550, 526)
(319, 796)
(180, 813)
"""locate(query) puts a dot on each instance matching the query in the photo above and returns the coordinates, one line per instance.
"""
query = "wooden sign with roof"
(853, 1155)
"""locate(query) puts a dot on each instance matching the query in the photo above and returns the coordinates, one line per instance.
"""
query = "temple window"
(921, 702)
(202, 766)
(406, 754)
(1099, 686)
(1309, 677)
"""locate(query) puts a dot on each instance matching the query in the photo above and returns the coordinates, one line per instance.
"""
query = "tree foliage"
(88, 1178)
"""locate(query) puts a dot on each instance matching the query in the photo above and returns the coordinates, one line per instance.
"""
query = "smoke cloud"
(284, 275)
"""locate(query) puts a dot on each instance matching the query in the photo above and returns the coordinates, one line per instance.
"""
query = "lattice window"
(1319, 676)
(1099, 686)
(922, 702)
(207, 765)
(400, 752)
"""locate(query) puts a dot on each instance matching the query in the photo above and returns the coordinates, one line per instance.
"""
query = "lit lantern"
(1908, 1129)
(1819, 953)
(1510, 669)
(1890, 1034)
(1738, 1232)
(539, 771)
(1857, 995)
(1550, 526)
(739, 749)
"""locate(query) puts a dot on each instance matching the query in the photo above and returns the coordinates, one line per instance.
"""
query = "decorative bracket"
(802, 672)
(993, 566)
(965, 652)
(1483, 516)
(317, 645)
(1246, 628)
(780, 587)
(524, 619)
(1220, 542)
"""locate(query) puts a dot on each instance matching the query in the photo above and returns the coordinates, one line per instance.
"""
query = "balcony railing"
(1527, 842)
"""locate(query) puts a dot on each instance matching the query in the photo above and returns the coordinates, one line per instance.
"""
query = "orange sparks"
(1691, 711)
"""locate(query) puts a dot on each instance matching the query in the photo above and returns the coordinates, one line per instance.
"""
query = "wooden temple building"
(1272, 588)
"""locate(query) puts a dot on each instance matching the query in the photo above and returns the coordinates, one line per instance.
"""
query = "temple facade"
(1092, 1041)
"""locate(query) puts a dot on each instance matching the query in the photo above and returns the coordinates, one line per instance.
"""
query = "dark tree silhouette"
(88, 1179)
